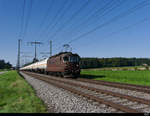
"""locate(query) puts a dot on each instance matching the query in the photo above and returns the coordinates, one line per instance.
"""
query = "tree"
(112, 62)
(4, 65)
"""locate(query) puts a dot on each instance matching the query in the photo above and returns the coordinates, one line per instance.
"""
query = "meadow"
(122, 76)
(4, 70)
(17, 96)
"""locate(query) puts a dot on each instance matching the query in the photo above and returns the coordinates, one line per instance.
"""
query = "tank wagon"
(62, 64)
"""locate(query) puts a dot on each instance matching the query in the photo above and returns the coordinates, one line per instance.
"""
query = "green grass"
(4, 70)
(131, 77)
(1, 70)
(17, 96)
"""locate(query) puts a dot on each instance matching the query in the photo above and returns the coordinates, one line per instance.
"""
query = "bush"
(147, 67)
(135, 68)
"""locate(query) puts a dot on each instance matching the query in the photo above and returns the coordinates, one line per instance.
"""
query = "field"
(17, 96)
(4, 70)
(125, 76)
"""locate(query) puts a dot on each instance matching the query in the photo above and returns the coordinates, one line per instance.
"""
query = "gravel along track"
(129, 104)
(133, 93)
(61, 101)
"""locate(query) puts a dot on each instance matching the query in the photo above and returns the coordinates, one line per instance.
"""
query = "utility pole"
(18, 60)
(50, 48)
(35, 43)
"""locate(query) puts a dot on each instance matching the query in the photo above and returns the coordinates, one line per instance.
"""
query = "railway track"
(141, 88)
(118, 101)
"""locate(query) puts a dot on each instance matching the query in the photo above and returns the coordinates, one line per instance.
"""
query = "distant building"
(144, 64)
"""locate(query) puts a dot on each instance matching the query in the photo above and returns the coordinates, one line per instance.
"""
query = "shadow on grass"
(91, 76)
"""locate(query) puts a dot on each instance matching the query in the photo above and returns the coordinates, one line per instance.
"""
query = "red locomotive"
(62, 64)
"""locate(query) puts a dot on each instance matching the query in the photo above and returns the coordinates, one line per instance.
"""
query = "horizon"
(100, 28)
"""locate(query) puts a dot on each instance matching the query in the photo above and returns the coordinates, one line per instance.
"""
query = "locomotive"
(62, 64)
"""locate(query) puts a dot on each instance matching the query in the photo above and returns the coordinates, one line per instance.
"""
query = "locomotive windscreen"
(73, 59)
(66, 59)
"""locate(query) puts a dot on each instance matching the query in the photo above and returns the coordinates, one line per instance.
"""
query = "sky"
(93, 28)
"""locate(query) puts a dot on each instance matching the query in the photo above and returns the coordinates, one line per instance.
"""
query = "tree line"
(5, 65)
(112, 62)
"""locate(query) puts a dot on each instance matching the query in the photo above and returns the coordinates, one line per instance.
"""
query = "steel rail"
(132, 85)
(99, 100)
(132, 98)
(117, 85)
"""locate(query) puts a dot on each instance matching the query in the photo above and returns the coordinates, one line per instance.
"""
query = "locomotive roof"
(69, 53)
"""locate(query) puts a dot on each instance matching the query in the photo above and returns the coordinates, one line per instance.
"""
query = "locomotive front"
(72, 64)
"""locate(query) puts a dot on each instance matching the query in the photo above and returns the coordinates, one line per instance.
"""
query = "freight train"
(63, 64)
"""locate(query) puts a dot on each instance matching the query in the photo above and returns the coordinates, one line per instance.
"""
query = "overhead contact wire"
(74, 15)
(28, 17)
(22, 18)
(128, 12)
(105, 12)
(45, 18)
(55, 17)
(107, 7)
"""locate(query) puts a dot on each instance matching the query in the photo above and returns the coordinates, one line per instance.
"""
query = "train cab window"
(74, 59)
(66, 59)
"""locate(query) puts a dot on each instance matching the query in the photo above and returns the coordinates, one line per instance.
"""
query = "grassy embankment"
(132, 77)
(1, 70)
(4, 70)
(17, 96)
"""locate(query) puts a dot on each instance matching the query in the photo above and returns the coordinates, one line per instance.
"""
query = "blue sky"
(62, 21)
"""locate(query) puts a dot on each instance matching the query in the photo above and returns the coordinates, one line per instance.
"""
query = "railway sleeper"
(123, 108)
(139, 106)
